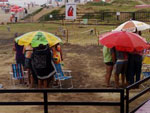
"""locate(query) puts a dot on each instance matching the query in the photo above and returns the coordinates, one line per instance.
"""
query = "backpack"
(42, 63)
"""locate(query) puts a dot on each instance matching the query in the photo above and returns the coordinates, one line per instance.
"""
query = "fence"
(107, 17)
(45, 102)
(129, 100)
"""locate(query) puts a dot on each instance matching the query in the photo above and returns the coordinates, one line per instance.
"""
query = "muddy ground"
(88, 70)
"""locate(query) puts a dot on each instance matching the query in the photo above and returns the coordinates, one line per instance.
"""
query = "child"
(57, 56)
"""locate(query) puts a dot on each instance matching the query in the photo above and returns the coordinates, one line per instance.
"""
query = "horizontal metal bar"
(21, 103)
(86, 103)
(139, 94)
(63, 103)
(134, 110)
(61, 90)
(137, 83)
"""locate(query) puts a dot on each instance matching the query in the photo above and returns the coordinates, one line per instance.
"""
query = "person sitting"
(57, 57)
(43, 65)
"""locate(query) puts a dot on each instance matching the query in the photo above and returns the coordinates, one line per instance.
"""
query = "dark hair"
(41, 46)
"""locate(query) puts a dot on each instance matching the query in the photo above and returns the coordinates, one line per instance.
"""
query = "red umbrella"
(123, 41)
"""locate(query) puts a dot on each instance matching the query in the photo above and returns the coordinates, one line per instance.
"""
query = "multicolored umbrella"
(36, 38)
(123, 41)
(132, 26)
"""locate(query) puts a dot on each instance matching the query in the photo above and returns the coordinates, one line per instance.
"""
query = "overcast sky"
(21, 2)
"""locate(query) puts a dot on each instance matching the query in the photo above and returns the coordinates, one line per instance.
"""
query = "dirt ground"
(88, 71)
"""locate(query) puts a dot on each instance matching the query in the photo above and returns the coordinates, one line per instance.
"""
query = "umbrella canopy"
(123, 41)
(36, 38)
(132, 26)
(16, 9)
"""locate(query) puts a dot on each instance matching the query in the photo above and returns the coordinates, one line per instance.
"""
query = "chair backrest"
(59, 71)
(17, 70)
(146, 74)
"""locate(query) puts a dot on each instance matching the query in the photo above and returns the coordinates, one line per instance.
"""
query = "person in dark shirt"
(20, 59)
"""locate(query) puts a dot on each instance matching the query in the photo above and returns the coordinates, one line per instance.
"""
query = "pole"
(67, 35)
(122, 101)
(127, 100)
(45, 102)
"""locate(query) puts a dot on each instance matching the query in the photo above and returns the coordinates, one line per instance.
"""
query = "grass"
(77, 35)
(34, 13)
(99, 7)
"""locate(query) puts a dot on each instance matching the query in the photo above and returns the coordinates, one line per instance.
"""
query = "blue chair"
(62, 75)
(17, 73)
(146, 74)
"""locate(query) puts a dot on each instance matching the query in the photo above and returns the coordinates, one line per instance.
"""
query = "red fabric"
(123, 41)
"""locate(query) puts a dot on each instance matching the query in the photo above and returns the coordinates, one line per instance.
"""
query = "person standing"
(134, 66)
(108, 63)
(20, 59)
(121, 66)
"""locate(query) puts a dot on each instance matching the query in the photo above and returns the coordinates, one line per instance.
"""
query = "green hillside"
(98, 7)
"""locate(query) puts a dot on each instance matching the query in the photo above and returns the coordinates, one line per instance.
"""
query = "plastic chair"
(17, 73)
(62, 75)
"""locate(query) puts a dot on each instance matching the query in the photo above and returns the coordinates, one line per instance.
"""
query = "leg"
(108, 74)
(32, 81)
(45, 83)
(117, 72)
(123, 80)
(138, 68)
(39, 83)
(131, 69)
(116, 80)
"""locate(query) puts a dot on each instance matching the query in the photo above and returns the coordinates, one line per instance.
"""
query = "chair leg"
(71, 83)
(60, 84)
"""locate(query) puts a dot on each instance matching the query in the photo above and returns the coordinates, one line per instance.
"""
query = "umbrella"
(36, 38)
(123, 41)
(132, 25)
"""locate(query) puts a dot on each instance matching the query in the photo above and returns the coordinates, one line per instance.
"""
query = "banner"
(71, 11)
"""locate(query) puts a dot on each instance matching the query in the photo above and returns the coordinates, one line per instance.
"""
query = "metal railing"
(45, 102)
(129, 100)
(109, 17)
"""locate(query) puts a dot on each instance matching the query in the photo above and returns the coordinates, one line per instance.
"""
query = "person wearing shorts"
(108, 63)
(120, 67)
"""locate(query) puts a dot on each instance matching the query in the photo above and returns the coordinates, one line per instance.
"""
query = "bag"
(42, 64)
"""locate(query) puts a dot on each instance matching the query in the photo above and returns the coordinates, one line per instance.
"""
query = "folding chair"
(146, 68)
(17, 73)
(62, 75)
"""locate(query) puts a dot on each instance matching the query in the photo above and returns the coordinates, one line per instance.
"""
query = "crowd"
(41, 63)
(126, 64)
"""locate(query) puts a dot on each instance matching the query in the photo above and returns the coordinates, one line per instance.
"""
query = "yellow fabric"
(56, 56)
(52, 39)
(27, 38)
(146, 60)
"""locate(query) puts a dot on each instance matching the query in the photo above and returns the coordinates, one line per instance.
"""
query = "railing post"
(127, 100)
(133, 16)
(122, 101)
(45, 102)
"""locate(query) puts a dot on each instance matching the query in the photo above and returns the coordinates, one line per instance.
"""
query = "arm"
(113, 53)
(61, 55)
(14, 47)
